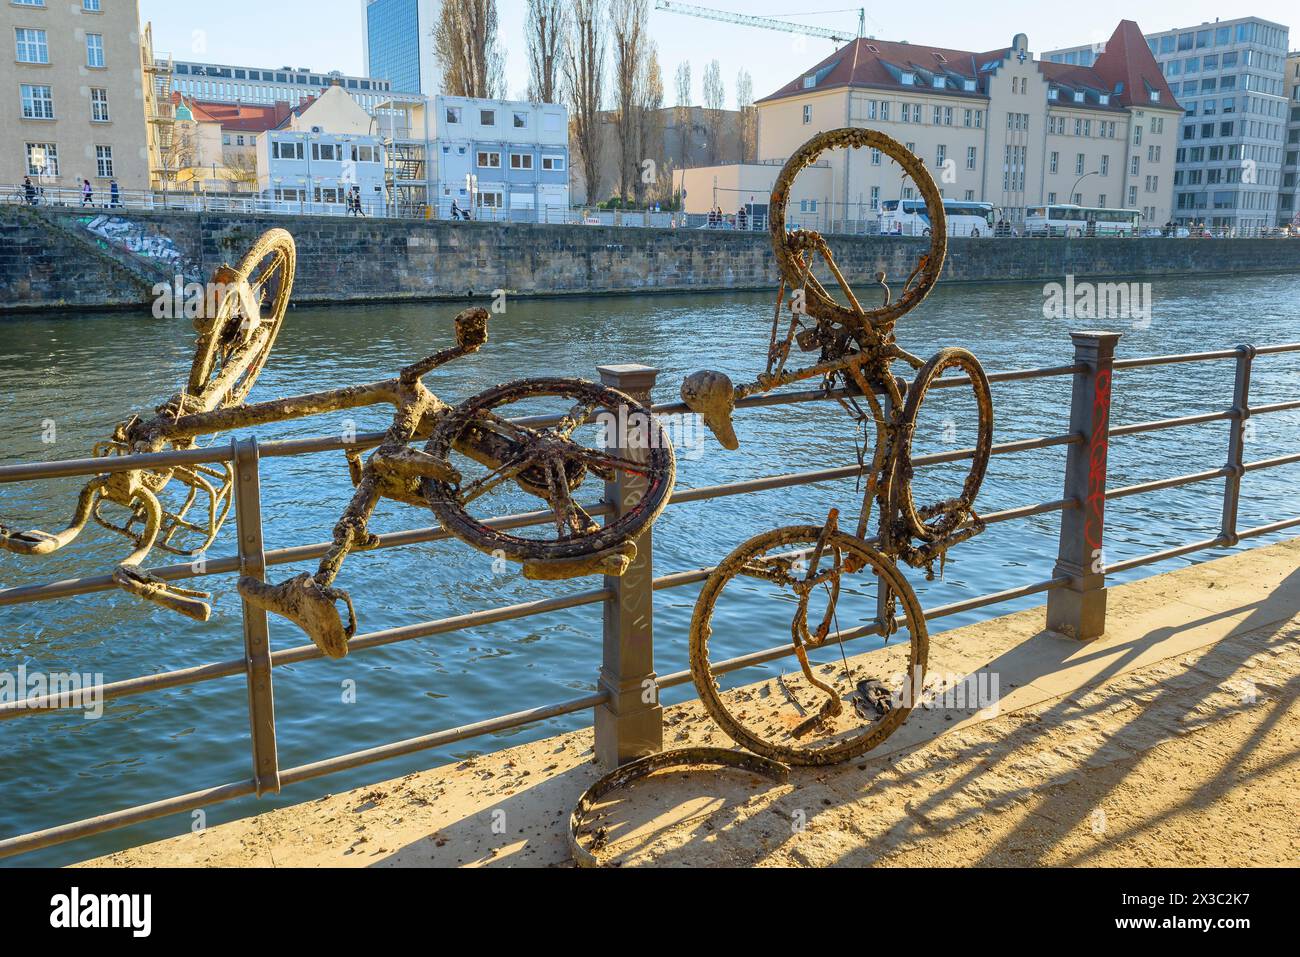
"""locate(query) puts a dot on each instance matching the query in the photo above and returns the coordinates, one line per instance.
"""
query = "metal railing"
(626, 726)
(856, 223)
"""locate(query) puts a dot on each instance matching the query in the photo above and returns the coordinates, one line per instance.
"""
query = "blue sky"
(326, 34)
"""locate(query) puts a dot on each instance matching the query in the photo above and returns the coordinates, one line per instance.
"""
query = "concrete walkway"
(1174, 740)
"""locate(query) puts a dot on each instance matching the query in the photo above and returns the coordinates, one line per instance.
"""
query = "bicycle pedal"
(309, 606)
(34, 542)
(610, 561)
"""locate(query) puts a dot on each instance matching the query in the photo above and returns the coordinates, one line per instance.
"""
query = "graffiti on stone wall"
(141, 239)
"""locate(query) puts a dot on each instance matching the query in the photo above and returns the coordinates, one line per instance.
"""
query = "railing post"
(1236, 444)
(629, 724)
(1079, 608)
(257, 640)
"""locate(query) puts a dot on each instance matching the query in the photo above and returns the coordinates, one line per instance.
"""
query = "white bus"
(908, 217)
(1070, 220)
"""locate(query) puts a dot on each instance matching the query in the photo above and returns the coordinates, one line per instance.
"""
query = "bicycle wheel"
(551, 463)
(235, 341)
(788, 246)
(939, 520)
(839, 714)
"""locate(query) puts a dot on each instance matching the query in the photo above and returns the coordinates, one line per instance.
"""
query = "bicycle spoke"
(599, 457)
(575, 418)
(502, 473)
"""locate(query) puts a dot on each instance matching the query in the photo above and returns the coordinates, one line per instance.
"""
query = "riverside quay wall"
(54, 258)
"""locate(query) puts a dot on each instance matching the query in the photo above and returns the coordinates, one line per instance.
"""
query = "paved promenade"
(1174, 740)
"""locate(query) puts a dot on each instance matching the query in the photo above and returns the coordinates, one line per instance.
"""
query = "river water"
(83, 373)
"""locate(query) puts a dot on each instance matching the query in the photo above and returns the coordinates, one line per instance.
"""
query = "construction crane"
(766, 23)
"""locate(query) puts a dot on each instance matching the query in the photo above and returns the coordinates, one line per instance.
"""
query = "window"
(521, 121)
(1053, 162)
(1101, 199)
(98, 105)
(970, 195)
(284, 150)
(1078, 164)
(1051, 199)
(94, 50)
(104, 162)
(453, 114)
(553, 163)
(42, 159)
(1132, 196)
(521, 160)
(940, 155)
(875, 197)
(29, 3)
(807, 115)
(966, 119)
(907, 112)
(1133, 166)
(38, 102)
(324, 151)
(90, 6)
(487, 117)
(489, 200)
(32, 46)
(875, 157)
(489, 159)
(970, 157)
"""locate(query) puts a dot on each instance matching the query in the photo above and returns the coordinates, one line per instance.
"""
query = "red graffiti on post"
(1095, 507)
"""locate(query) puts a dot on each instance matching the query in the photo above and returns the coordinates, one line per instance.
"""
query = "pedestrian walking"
(87, 194)
(114, 195)
(29, 191)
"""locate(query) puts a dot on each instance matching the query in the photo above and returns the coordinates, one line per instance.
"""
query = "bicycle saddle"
(309, 606)
(712, 396)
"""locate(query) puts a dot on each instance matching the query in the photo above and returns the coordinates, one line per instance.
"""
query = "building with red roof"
(999, 127)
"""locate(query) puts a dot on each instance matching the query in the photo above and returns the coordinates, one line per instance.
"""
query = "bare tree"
(584, 78)
(465, 42)
(715, 99)
(650, 126)
(748, 116)
(683, 80)
(627, 20)
(546, 30)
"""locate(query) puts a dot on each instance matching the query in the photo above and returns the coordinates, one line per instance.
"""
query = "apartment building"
(1288, 208)
(318, 152)
(221, 83)
(72, 101)
(501, 154)
(999, 127)
(1229, 77)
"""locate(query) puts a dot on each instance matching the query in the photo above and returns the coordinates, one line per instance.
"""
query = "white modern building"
(503, 155)
(222, 83)
(1229, 78)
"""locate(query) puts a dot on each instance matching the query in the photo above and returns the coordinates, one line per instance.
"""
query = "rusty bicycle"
(833, 715)
(819, 574)
(470, 450)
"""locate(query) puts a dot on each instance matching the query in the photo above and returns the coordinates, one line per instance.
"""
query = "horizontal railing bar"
(397, 749)
(756, 658)
(1274, 407)
(691, 576)
(26, 843)
(1161, 484)
(1217, 542)
(1270, 527)
(67, 588)
(1170, 423)
(1203, 356)
(300, 653)
(196, 799)
(1272, 463)
(425, 629)
(281, 556)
